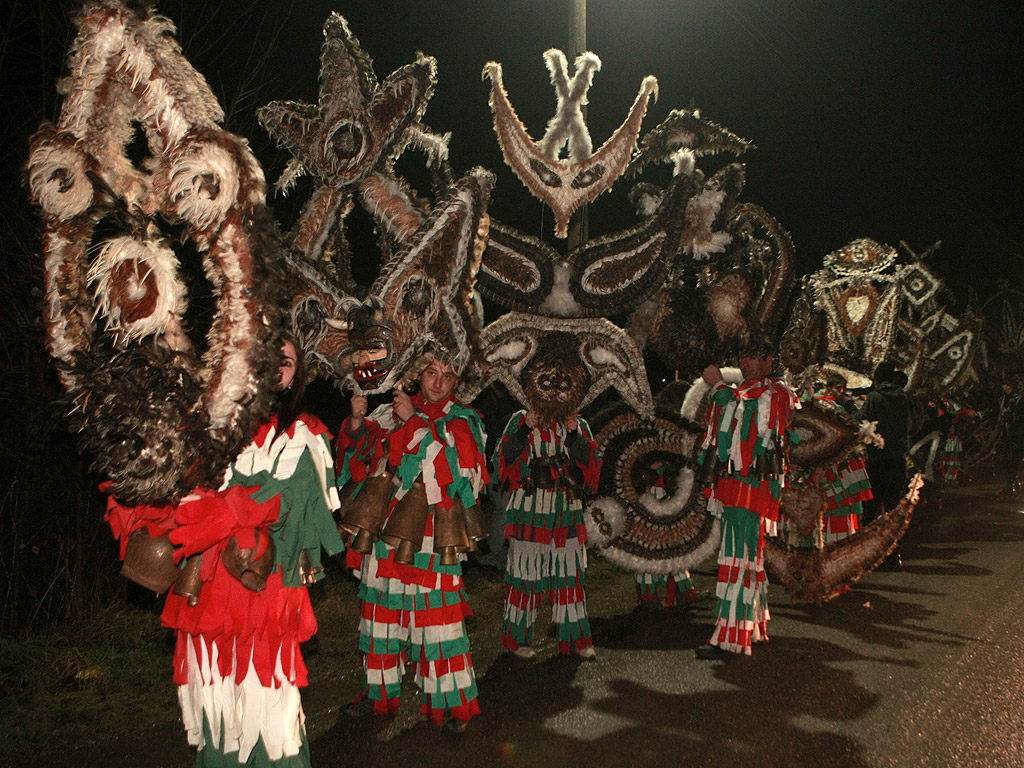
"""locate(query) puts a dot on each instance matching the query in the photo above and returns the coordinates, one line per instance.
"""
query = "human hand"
(532, 420)
(402, 403)
(572, 423)
(359, 405)
(712, 375)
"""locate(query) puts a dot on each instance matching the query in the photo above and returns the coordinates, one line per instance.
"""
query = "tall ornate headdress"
(160, 415)
(349, 141)
(566, 183)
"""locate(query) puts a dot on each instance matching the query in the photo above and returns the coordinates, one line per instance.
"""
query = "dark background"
(890, 120)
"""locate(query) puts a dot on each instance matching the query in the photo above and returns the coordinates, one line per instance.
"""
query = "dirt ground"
(334, 665)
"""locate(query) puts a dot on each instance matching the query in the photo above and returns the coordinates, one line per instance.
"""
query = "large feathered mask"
(161, 409)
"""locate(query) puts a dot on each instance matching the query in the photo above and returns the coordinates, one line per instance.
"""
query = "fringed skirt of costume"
(237, 661)
(415, 614)
(545, 528)
(650, 587)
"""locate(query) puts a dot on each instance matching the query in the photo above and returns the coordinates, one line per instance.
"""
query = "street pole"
(578, 224)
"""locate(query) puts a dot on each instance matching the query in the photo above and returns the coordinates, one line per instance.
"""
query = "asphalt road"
(914, 667)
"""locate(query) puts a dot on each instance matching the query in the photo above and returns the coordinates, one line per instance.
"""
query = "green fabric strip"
(212, 756)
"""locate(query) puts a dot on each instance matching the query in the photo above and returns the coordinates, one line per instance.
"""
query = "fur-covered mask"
(372, 353)
(557, 366)
(556, 379)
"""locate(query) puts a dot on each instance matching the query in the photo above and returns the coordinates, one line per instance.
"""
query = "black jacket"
(888, 405)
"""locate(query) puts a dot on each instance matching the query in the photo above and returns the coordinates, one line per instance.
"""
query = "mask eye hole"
(344, 145)
(585, 178)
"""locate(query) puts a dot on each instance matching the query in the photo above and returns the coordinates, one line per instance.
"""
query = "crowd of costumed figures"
(781, 444)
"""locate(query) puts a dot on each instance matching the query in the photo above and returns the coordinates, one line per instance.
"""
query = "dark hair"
(900, 379)
(884, 371)
(289, 402)
(757, 346)
(834, 380)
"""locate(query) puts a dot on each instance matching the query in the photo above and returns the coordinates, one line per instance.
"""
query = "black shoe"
(360, 707)
(453, 725)
(712, 652)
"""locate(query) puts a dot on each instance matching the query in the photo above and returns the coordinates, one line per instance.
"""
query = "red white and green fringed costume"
(547, 536)
(237, 661)
(416, 613)
(650, 585)
(952, 445)
(745, 423)
(847, 487)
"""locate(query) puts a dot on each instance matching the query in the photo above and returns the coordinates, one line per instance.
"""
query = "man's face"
(753, 367)
(838, 391)
(438, 382)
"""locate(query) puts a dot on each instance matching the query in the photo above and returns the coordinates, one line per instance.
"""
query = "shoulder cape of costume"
(743, 423)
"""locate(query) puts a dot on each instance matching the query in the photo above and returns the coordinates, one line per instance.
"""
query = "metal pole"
(578, 224)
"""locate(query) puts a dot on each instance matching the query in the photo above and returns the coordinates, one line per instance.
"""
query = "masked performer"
(846, 484)
(746, 440)
(421, 460)
(547, 459)
(961, 416)
(240, 605)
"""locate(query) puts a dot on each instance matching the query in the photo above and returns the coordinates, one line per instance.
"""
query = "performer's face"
(438, 382)
(838, 390)
(753, 367)
(287, 372)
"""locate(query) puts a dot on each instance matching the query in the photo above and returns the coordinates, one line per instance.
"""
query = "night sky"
(890, 120)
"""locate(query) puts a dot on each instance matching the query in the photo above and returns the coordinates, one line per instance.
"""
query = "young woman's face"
(837, 391)
(287, 372)
(438, 382)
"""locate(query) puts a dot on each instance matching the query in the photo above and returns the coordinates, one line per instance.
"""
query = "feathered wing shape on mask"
(159, 416)
(603, 352)
(685, 129)
(565, 184)
(608, 275)
(615, 273)
(517, 271)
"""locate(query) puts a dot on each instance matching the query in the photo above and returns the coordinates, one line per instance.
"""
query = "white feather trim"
(152, 267)
(668, 565)
(203, 185)
(667, 506)
(684, 162)
(560, 302)
(701, 211)
(57, 178)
